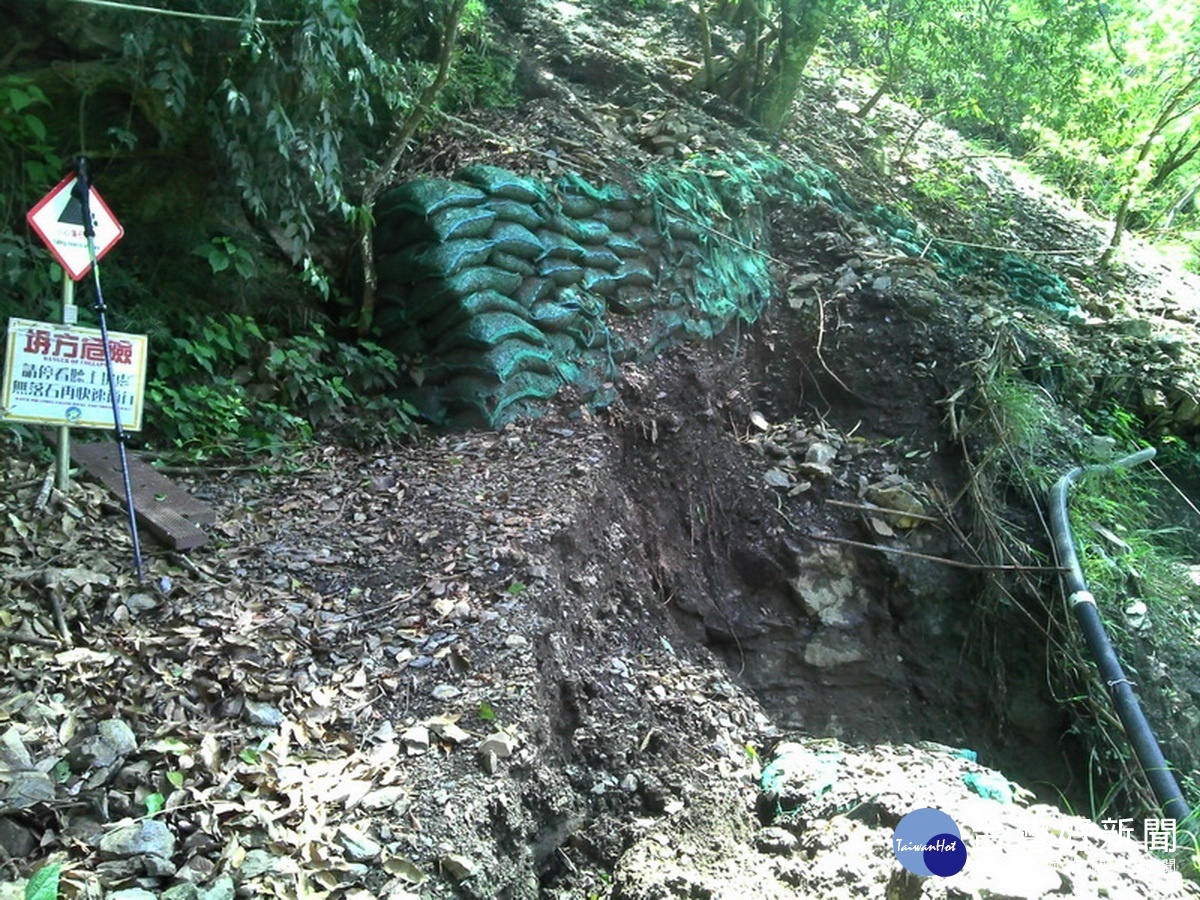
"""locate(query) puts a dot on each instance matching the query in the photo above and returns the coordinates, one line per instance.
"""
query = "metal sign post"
(70, 315)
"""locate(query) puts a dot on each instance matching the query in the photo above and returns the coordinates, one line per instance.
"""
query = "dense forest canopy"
(247, 140)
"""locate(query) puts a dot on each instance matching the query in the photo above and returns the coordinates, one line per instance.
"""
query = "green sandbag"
(390, 316)
(589, 305)
(404, 266)
(510, 263)
(649, 238)
(615, 219)
(423, 196)
(643, 216)
(420, 261)
(625, 246)
(461, 222)
(628, 303)
(398, 232)
(551, 316)
(682, 230)
(397, 333)
(597, 281)
(620, 199)
(501, 183)
(578, 207)
(488, 330)
(483, 278)
(509, 237)
(454, 256)
(500, 363)
(589, 335)
(535, 290)
(515, 211)
(567, 227)
(558, 246)
(593, 231)
(600, 258)
(564, 345)
(567, 370)
(635, 274)
(430, 297)
(492, 402)
(560, 272)
(472, 305)
(525, 386)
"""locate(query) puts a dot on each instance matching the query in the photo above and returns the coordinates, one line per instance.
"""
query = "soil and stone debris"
(713, 638)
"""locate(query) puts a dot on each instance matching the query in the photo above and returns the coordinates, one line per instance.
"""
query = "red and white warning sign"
(58, 221)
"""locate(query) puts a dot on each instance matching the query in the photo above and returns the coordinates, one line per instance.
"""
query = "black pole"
(82, 192)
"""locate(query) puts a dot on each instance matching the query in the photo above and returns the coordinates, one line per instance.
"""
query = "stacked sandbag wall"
(502, 289)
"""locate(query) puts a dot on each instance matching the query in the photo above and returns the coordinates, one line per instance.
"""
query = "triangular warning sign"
(72, 213)
(58, 220)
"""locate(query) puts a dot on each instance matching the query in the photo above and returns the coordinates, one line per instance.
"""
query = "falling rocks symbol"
(927, 842)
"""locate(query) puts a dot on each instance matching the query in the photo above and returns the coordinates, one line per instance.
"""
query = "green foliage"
(222, 253)
(483, 74)
(762, 74)
(43, 884)
(235, 388)
(1103, 97)
(1030, 429)
(29, 166)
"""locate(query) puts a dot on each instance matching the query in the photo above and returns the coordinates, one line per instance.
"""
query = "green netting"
(613, 196)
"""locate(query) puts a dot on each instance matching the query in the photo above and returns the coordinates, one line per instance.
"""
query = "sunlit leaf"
(43, 884)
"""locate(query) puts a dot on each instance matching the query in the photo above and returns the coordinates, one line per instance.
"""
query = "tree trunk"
(801, 23)
(395, 149)
(1173, 108)
(880, 93)
(1119, 220)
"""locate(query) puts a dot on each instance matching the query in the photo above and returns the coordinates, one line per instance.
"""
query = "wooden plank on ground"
(165, 509)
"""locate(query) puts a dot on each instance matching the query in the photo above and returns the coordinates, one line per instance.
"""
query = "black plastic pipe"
(1145, 745)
